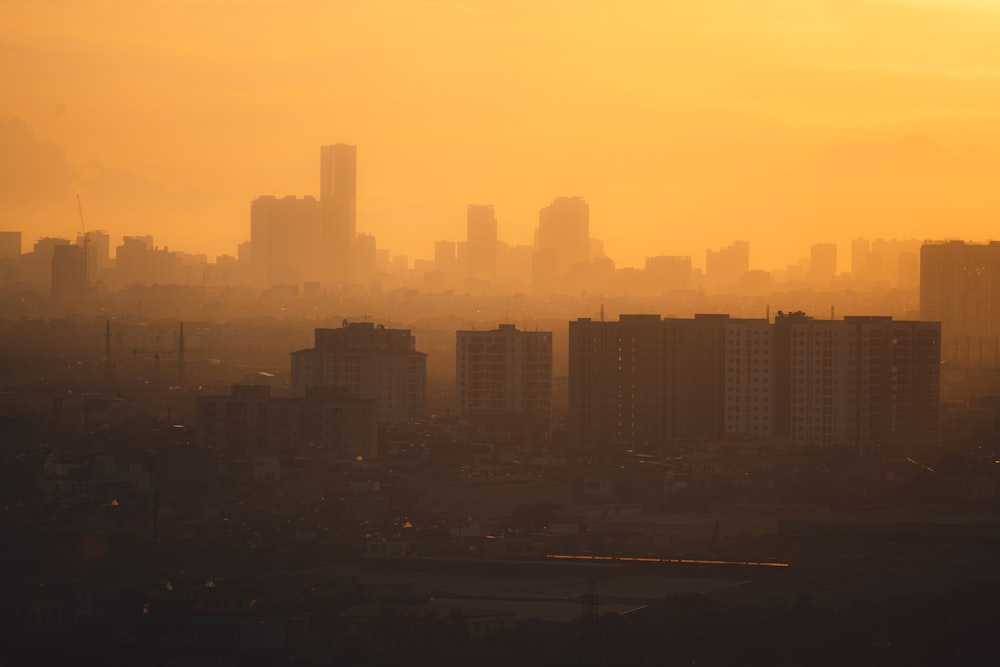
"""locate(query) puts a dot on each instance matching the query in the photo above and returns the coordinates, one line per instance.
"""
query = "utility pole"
(107, 350)
(180, 357)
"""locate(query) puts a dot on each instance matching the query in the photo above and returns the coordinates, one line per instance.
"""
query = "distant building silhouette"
(69, 273)
(369, 362)
(822, 263)
(10, 257)
(10, 245)
(480, 248)
(562, 240)
(338, 203)
(514, 265)
(138, 261)
(725, 268)
(365, 265)
(960, 287)
(36, 266)
(668, 273)
(97, 244)
(890, 262)
(285, 237)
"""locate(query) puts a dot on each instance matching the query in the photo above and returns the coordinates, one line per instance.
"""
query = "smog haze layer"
(683, 125)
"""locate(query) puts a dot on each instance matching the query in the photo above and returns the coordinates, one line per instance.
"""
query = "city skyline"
(303, 239)
(482, 332)
(683, 128)
(346, 213)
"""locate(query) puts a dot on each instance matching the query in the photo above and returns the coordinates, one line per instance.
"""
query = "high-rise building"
(861, 260)
(285, 237)
(69, 273)
(10, 257)
(138, 261)
(890, 262)
(97, 247)
(365, 252)
(816, 390)
(866, 382)
(726, 267)
(338, 203)
(504, 373)
(369, 362)
(10, 245)
(644, 381)
(960, 287)
(480, 248)
(822, 263)
(36, 266)
(562, 240)
(749, 378)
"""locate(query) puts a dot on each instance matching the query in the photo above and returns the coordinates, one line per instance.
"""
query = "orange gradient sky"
(685, 125)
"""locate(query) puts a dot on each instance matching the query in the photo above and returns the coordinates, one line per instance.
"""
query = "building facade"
(285, 240)
(960, 287)
(369, 362)
(864, 382)
(504, 373)
(643, 380)
(252, 422)
(338, 193)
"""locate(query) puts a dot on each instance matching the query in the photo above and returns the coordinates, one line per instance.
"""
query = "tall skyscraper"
(338, 204)
(562, 240)
(480, 247)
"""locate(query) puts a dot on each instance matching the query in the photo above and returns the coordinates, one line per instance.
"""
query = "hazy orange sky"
(685, 125)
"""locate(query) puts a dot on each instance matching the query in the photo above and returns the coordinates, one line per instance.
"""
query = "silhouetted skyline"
(683, 127)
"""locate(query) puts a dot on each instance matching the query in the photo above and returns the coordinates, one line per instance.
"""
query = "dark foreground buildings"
(368, 361)
(960, 287)
(503, 381)
(869, 383)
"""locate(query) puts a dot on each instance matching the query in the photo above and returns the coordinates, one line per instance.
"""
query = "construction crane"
(86, 237)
